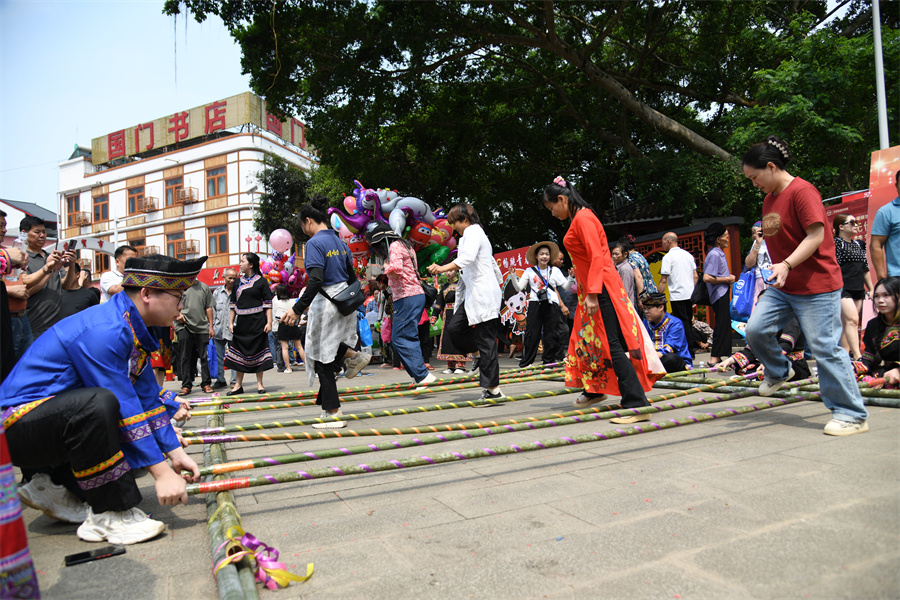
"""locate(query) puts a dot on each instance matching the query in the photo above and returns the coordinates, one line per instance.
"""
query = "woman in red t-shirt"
(806, 283)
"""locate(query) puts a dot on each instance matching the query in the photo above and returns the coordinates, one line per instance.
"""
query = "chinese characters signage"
(196, 122)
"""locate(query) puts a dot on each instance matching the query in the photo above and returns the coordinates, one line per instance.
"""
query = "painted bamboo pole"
(420, 461)
(227, 581)
(468, 431)
(188, 433)
(427, 429)
(406, 393)
(211, 400)
(225, 517)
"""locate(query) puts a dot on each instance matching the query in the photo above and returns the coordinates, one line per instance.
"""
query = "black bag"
(700, 296)
(351, 297)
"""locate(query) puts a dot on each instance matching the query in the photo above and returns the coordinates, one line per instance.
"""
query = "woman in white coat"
(476, 316)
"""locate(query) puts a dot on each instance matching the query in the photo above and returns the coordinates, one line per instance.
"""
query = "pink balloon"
(350, 204)
(451, 243)
(281, 240)
(345, 234)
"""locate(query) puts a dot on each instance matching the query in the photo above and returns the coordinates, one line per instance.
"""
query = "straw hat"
(554, 252)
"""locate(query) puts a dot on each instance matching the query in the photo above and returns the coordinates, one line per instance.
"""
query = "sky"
(71, 71)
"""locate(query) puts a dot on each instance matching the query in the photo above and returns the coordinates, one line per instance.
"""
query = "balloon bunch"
(411, 218)
(279, 268)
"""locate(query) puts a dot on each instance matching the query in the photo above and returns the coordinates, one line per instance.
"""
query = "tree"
(487, 101)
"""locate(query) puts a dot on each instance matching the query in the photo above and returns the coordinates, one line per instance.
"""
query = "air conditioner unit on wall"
(148, 204)
(148, 250)
(188, 195)
(187, 247)
(82, 218)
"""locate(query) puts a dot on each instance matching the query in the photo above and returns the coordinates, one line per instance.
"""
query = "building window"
(172, 187)
(215, 182)
(172, 240)
(72, 208)
(218, 240)
(135, 195)
(101, 209)
(101, 262)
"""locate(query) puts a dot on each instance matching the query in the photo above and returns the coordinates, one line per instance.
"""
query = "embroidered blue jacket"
(669, 338)
(106, 346)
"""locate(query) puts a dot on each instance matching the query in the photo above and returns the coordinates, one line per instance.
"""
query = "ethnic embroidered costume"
(107, 346)
(669, 338)
(881, 349)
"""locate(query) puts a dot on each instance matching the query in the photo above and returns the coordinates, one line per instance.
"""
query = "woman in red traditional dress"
(606, 324)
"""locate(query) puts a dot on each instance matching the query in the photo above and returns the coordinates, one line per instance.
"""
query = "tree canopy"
(633, 101)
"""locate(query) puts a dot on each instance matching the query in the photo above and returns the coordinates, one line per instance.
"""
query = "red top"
(785, 219)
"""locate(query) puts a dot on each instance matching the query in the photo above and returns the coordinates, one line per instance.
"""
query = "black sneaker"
(487, 395)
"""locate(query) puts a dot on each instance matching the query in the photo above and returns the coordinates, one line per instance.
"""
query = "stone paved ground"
(761, 505)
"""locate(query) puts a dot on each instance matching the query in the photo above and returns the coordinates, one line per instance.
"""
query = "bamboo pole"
(227, 581)
(189, 433)
(457, 432)
(419, 461)
(239, 398)
(402, 394)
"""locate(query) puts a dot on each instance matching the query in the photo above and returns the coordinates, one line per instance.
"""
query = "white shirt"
(108, 280)
(679, 265)
(533, 278)
(479, 282)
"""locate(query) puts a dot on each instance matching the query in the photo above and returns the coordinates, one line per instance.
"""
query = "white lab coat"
(480, 277)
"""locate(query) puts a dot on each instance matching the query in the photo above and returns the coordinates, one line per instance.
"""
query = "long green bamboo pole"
(425, 429)
(406, 393)
(227, 581)
(238, 398)
(468, 431)
(419, 461)
(188, 433)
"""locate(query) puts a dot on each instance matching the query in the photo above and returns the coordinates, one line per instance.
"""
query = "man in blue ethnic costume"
(83, 407)
(667, 334)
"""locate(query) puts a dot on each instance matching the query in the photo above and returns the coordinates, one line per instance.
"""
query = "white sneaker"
(448, 371)
(331, 424)
(356, 364)
(770, 387)
(126, 527)
(54, 500)
(835, 427)
(583, 401)
(458, 371)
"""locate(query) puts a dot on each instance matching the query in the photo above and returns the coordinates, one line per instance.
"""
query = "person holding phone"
(84, 409)
(43, 279)
(758, 259)
(806, 283)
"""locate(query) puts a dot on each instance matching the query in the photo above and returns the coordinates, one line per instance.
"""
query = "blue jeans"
(220, 360)
(819, 316)
(405, 335)
(21, 334)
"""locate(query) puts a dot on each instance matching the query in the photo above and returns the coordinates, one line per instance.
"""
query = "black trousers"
(632, 393)
(541, 322)
(193, 346)
(481, 337)
(683, 310)
(68, 437)
(673, 363)
(721, 343)
(426, 342)
(327, 397)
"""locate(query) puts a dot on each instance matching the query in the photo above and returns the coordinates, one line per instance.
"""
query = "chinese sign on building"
(185, 125)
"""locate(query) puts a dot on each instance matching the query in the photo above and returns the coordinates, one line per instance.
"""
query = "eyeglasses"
(179, 296)
(849, 222)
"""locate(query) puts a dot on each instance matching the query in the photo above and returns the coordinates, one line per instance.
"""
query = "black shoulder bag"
(351, 297)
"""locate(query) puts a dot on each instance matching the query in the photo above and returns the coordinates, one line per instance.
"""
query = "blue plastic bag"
(365, 332)
(212, 359)
(742, 295)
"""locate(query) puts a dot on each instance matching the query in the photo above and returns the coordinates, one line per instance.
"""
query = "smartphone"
(71, 245)
(96, 554)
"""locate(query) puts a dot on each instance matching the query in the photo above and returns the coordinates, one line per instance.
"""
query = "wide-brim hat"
(530, 255)
(161, 272)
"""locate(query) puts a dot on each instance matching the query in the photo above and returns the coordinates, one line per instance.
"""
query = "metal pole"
(883, 136)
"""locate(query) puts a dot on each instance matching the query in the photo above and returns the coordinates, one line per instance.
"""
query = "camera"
(542, 295)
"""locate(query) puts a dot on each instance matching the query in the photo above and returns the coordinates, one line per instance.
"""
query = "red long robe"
(589, 363)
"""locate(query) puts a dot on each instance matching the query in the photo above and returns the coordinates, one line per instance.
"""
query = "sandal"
(184, 391)
(585, 400)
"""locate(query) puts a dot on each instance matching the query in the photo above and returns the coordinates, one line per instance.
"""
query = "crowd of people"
(77, 366)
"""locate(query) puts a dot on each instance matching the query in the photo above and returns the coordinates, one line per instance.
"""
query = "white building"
(184, 185)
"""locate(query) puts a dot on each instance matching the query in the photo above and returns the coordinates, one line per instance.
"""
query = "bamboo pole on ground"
(419, 461)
